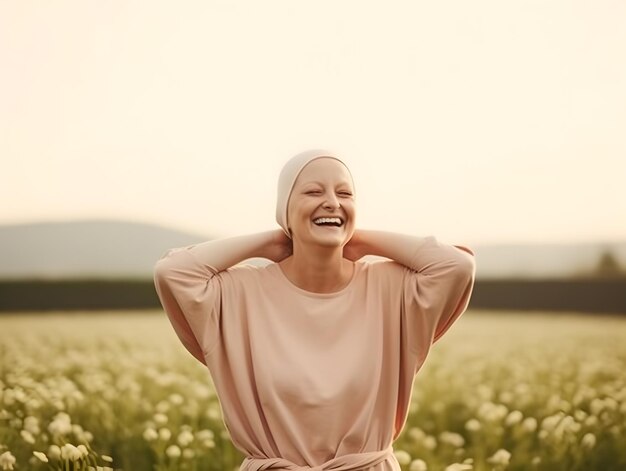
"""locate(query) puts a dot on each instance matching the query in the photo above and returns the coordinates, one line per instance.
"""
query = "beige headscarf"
(288, 176)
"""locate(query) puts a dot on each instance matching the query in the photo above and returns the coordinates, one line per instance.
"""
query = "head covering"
(288, 176)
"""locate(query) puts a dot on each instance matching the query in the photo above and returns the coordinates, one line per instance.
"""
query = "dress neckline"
(313, 294)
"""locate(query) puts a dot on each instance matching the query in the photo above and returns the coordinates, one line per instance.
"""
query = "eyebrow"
(344, 182)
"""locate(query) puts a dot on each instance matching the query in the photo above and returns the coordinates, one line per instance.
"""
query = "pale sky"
(478, 122)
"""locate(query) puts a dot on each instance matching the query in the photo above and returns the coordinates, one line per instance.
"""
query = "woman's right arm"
(225, 253)
(189, 293)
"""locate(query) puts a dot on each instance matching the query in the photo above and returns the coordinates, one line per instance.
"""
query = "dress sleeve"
(190, 293)
(437, 288)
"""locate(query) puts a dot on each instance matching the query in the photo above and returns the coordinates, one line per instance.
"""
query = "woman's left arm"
(399, 247)
(440, 286)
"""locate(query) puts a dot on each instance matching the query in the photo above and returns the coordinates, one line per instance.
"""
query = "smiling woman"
(323, 191)
(313, 357)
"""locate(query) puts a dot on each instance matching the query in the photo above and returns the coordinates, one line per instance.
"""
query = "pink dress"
(315, 381)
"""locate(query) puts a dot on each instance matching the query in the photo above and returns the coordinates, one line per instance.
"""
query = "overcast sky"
(478, 122)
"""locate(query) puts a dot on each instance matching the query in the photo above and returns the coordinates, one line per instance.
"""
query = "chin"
(331, 241)
(327, 241)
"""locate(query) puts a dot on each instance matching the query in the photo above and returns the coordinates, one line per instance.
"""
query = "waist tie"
(349, 462)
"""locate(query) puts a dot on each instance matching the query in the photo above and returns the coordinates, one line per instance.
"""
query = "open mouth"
(330, 223)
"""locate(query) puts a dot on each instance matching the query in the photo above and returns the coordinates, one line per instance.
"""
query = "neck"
(318, 269)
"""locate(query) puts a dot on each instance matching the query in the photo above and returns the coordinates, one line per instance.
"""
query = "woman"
(313, 356)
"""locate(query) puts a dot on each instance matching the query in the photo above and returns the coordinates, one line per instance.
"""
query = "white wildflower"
(418, 465)
(8, 398)
(458, 467)
(472, 425)
(61, 424)
(549, 423)
(205, 434)
(500, 457)
(429, 442)
(41, 456)
(70, 452)
(588, 441)
(416, 434)
(54, 452)
(529, 424)
(188, 453)
(31, 424)
(492, 412)
(176, 399)
(213, 412)
(173, 451)
(513, 418)
(7, 460)
(185, 438)
(201, 391)
(566, 427)
(27, 436)
(150, 434)
(160, 419)
(611, 404)
(452, 438)
(165, 434)
(580, 415)
(83, 450)
(402, 456)
(33, 404)
(596, 406)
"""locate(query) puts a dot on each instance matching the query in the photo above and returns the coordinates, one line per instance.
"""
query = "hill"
(119, 249)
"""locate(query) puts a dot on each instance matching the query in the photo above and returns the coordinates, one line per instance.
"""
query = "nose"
(331, 201)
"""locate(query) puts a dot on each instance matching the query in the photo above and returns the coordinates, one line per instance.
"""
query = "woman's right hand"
(280, 246)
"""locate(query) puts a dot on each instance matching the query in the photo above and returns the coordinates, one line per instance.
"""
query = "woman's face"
(323, 189)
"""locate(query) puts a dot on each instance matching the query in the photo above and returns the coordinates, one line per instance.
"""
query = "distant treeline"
(595, 295)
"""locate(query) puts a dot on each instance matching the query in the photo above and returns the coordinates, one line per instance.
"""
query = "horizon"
(96, 220)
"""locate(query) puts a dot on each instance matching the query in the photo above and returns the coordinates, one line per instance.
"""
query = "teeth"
(322, 220)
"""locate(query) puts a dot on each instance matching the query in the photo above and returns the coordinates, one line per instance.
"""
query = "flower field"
(116, 390)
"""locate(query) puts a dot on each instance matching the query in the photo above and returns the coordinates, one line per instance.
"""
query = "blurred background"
(131, 127)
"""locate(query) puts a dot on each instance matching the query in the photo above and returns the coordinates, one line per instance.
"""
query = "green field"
(506, 390)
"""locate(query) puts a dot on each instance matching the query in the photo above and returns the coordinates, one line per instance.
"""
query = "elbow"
(159, 268)
(162, 267)
(465, 265)
(159, 276)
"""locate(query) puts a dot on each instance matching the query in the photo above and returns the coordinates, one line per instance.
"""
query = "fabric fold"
(349, 462)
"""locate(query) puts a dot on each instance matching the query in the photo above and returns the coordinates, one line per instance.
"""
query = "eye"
(345, 193)
(313, 192)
